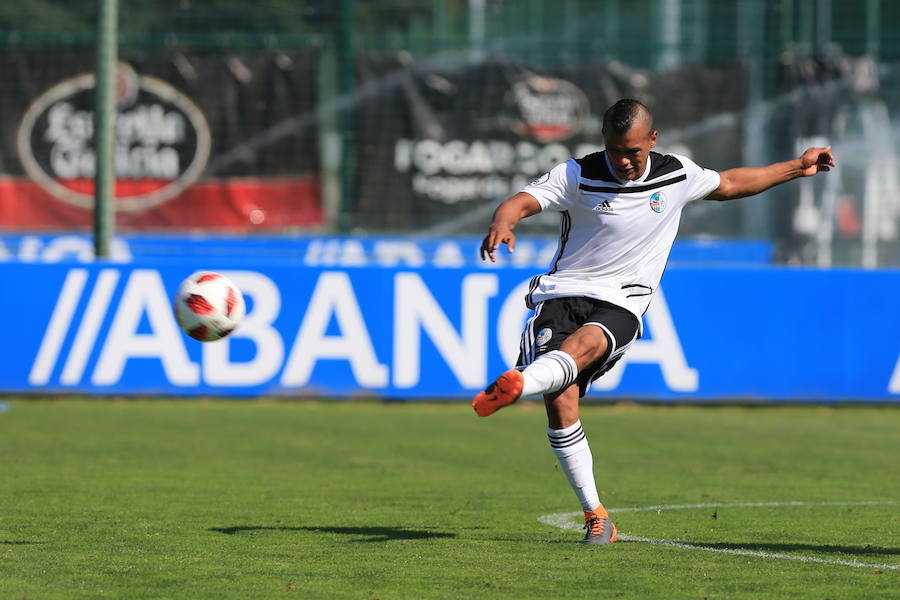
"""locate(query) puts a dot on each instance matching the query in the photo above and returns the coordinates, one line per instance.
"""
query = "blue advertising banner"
(712, 334)
(345, 251)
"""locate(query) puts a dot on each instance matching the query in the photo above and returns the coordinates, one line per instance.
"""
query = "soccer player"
(619, 210)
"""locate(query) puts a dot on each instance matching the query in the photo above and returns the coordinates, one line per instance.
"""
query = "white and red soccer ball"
(208, 306)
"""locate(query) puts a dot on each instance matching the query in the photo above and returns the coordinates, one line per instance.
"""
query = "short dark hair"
(621, 116)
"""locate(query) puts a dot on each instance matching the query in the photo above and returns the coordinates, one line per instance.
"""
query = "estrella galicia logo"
(657, 202)
(546, 109)
(162, 141)
(544, 336)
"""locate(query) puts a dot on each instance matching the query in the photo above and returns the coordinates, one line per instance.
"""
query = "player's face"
(628, 152)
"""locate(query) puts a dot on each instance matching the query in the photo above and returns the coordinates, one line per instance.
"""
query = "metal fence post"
(345, 81)
(104, 128)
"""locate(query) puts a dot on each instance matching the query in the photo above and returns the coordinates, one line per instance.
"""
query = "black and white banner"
(433, 143)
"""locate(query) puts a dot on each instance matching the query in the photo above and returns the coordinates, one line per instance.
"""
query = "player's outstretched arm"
(747, 181)
(506, 217)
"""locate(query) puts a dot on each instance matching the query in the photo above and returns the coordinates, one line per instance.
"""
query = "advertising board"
(712, 334)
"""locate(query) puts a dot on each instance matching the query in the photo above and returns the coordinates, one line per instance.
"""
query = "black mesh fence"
(401, 117)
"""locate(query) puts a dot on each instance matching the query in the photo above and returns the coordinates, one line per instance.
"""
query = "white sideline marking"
(564, 521)
(715, 505)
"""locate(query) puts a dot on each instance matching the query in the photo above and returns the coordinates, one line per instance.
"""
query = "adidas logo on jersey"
(604, 206)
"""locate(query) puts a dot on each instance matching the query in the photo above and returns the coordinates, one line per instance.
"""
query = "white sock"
(571, 448)
(551, 372)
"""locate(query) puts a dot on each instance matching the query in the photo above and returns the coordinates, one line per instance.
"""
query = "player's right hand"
(492, 241)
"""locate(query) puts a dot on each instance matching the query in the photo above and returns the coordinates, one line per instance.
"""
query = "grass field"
(247, 499)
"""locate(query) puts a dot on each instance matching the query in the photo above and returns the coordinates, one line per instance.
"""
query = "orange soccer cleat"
(505, 390)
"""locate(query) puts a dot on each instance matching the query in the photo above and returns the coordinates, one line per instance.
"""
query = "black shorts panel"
(556, 319)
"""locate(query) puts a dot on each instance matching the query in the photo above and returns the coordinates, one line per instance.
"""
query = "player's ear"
(653, 135)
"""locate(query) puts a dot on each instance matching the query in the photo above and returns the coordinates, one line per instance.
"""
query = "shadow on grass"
(17, 543)
(788, 547)
(371, 534)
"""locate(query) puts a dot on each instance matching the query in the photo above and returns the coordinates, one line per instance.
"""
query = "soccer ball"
(208, 306)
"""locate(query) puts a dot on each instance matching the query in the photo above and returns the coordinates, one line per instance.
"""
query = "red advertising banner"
(230, 205)
(202, 141)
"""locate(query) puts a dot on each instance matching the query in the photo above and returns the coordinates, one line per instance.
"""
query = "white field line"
(662, 507)
(564, 521)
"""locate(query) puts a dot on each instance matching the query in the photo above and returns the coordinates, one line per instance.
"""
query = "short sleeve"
(700, 182)
(553, 190)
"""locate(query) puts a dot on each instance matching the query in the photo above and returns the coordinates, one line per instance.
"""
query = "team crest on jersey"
(544, 336)
(657, 202)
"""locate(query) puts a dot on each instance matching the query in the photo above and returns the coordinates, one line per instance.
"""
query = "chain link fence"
(402, 117)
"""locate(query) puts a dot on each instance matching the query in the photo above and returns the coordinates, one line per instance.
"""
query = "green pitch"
(244, 499)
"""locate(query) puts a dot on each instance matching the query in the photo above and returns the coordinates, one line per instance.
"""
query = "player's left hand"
(816, 160)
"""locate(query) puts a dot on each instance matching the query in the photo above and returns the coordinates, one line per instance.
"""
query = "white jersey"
(615, 235)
